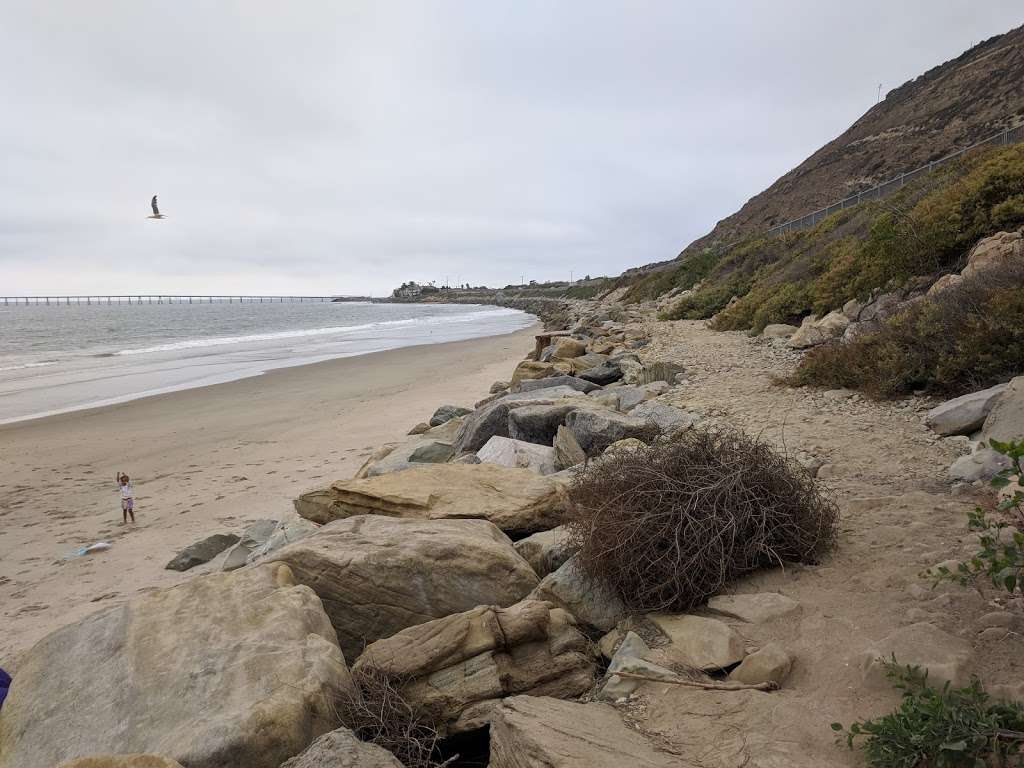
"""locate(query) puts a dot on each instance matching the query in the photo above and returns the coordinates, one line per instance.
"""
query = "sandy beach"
(202, 461)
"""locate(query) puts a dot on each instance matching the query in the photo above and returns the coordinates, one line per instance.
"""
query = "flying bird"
(156, 211)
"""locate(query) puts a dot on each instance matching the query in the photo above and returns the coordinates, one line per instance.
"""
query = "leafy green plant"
(1001, 558)
(939, 728)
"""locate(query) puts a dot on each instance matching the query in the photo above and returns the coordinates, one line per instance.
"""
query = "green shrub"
(1000, 558)
(967, 338)
(947, 728)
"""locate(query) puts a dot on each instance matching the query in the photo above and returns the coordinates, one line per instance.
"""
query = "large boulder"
(492, 419)
(606, 373)
(202, 551)
(447, 413)
(458, 667)
(567, 347)
(506, 452)
(595, 429)
(286, 532)
(542, 732)
(377, 575)
(546, 551)
(531, 369)
(420, 450)
(666, 417)
(225, 669)
(814, 331)
(568, 452)
(1001, 248)
(575, 382)
(253, 537)
(1005, 422)
(341, 749)
(699, 642)
(538, 423)
(514, 499)
(570, 588)
(122, 761)
(945, 656)
(965, 414)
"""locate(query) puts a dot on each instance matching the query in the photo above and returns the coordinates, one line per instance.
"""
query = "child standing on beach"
(124, 484)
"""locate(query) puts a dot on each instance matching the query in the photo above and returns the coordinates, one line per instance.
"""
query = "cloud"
(346, 147)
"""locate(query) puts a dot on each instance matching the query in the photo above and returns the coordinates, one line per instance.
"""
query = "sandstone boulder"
(202, 551)
(498, 387)
(570, 588)
(545, 551)
(595, 429)
(419, 450)
(994, 251)
(945, 656)
(341, 749)
(531, 369)
(699, 642)
(377, 575)
(464, 663)
(514, 499)
(123, 761)
(965, 414)
(253, 537)
(568, 452)
(770, 664)
(542, 732)
(814, 331)
(756, 608)
(506, 452)
(1005, 422)
(568, 347)
(779, 331)
(225, 669)
(419, 429)
(447, 413)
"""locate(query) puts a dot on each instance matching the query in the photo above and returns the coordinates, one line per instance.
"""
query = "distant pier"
(13, 301)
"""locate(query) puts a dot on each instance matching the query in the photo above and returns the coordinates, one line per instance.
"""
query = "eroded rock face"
(377, 575)
(341, 749)
(465, 662)
(514, 499)
(542, 732)
(965, 414)
(226, 669)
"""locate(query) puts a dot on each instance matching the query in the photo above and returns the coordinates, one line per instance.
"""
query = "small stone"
(419, 429)
(700, 642)
(771, 664)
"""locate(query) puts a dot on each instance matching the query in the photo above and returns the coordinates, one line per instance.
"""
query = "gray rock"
(545, 551)
(286, 532)
(569, 588)
(201, 552)
(507, 452)
(538, 423)
(963, 415)
(467, 458)
(663, 370)
(589, 360)
(252, 538)
(630, 657)
(417, 451)
(341, 749)
(557, 381)
(447, 413)
(484, 423)
(498, 387)
(602, 374)
(668, 418)
(945, 656)
(568, 452)
(595, 429)
(983, 464)
(1005, 422)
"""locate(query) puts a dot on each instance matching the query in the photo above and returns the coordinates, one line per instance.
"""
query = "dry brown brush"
(667, 526)
(376, 711)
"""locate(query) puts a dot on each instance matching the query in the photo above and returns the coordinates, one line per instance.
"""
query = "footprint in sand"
(105, 596)
(33, 608)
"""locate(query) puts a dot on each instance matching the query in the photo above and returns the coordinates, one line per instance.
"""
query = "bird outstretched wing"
(156, 211)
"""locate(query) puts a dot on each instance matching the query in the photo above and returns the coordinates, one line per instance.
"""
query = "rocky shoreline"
(444, 564)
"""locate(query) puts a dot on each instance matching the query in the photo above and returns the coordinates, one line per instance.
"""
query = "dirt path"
(899, 518)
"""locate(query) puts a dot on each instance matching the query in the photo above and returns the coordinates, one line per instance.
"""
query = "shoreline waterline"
(159, 361)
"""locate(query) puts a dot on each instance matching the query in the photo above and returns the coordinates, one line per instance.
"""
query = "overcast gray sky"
(343, 147)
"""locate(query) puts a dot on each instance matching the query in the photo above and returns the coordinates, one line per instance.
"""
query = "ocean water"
(61, 358)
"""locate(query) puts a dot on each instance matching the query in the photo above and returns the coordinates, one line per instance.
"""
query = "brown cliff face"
(949, 107)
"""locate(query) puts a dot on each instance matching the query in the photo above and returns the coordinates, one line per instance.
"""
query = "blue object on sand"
(5, 684)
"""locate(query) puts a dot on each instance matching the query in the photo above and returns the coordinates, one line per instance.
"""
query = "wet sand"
(202, 461)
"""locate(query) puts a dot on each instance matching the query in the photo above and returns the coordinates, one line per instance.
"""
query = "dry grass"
(668, 526)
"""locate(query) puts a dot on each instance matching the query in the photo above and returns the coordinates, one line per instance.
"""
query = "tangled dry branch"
(667, 526)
